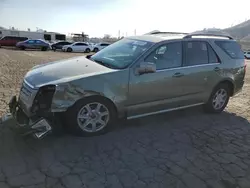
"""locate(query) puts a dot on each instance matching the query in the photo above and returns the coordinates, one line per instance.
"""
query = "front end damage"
(32, 111)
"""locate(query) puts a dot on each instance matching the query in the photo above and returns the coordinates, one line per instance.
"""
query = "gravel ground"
(179, 149)
(13, 66)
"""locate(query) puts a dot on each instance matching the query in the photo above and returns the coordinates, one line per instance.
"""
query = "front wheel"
(90, 117)
(96, 50)
(218, 99)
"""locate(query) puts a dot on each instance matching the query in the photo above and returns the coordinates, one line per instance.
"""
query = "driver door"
(151, 92)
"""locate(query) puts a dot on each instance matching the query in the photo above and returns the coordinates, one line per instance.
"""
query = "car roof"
(163, 36)
(155, 38)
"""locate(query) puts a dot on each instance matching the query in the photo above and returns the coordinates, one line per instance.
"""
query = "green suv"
(134, 77)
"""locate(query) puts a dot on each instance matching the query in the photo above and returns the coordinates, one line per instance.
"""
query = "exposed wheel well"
(230, 85)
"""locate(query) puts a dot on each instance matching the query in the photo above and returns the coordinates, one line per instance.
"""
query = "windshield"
(122, 53)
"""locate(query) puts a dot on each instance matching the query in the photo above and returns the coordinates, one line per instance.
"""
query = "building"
(48, 36)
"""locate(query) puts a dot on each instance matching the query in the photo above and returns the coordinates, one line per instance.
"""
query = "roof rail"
(173, 33)
(190, 35)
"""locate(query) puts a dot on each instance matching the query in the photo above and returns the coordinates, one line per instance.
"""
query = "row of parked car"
(247, 54)
(25, 43)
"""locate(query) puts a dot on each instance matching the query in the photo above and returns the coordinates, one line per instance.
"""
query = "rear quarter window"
(231, 48)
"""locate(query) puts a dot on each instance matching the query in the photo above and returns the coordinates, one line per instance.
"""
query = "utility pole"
(119, 34)
(135, 32)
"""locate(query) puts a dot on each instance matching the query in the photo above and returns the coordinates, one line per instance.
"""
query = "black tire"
(44, 48)
(22, 47)
(96, 49)
(69, 50)
(54, 48)
(209, 106)
(87, 50)
(71, 116)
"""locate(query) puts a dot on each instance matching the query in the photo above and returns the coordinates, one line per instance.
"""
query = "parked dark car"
(34, 44)
(11, 40)
(59, 45)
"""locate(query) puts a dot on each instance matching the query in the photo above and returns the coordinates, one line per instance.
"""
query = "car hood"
(64, 71)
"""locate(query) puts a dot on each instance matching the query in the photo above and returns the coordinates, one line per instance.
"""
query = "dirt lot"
(180, 149)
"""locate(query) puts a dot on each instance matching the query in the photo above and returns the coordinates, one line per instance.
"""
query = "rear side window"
(196, 53)
(212, 56)
(231, 48)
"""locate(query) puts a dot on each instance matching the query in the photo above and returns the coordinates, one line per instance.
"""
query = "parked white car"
(100, 46)
(78, 47)
(247, 55)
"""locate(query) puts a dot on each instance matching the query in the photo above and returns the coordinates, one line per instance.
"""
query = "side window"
(166, 56)
(30, 41)
(212, 56)
(80, 44)
(196, 53)
(38, 42)
(231, 48)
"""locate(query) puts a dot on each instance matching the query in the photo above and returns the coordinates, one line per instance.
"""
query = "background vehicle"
(134, 77)
(11, 41)
(59, 45)
(33, 44)
(77, 47)
(100, 46)
(247, 55)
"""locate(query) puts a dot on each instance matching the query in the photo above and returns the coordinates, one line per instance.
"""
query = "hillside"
(240, 31)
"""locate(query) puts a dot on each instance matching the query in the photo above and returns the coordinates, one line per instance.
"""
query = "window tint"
(47, 37)
(60, 37)
(248, 52)
(196, 53)
(80, 44)
(166, 56)
(30, 41)
(38, 42)
(212, 56)
(232, 49)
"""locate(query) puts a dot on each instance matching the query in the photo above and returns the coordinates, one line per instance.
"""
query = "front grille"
(26, 97)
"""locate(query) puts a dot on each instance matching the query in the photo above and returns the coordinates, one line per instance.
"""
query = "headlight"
(43, 99)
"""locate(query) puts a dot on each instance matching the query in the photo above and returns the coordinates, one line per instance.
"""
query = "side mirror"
(88, 56)
(146, 67)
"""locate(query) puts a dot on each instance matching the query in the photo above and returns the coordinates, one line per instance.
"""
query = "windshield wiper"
(104, 64)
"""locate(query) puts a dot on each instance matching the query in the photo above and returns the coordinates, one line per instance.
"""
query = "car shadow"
(191, 118)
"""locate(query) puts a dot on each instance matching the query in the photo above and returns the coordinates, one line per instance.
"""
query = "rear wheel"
(54, 48)
(22, 48)
(87, 50)
(90, 117)
(218, 99)
(69, 50)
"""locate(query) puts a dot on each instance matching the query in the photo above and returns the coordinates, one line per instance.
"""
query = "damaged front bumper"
(36, 126)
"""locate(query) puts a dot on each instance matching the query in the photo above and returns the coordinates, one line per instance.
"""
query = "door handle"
(217, 69)
(178, 74)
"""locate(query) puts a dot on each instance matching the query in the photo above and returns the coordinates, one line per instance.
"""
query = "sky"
(99, 17)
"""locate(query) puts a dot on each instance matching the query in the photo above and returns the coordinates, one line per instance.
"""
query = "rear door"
(30, 44)
(200, 67)
(80, 47)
